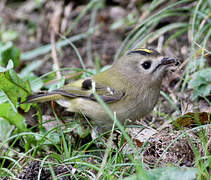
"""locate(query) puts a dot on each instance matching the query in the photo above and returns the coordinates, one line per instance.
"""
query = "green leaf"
(13, 88)
(3, 98)
(166, 173)
(205, 73)
(196, 82)
(173, 173)
(205, 90)
(35, 82)
(9, 51)
(7, 112)
(27, 75)
(10, 65)
(201, 83)
(5, 129)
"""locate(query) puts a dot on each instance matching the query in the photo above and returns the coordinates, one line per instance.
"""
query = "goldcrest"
(130, 88)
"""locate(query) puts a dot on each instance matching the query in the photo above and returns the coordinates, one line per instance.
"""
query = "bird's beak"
(166, 61)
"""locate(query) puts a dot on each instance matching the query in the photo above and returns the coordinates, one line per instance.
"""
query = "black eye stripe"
(146, 64)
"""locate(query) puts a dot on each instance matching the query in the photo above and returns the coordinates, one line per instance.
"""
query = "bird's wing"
(81, 88)
(84, 88)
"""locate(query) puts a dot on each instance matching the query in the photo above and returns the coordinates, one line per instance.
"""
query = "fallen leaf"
(192, 119)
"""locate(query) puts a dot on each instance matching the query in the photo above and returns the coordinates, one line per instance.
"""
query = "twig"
(55, 22)
(54, 55)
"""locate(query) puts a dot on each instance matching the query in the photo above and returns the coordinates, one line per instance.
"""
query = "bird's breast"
(137, 104)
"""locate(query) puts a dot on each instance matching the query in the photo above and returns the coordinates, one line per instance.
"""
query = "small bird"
(130, 88)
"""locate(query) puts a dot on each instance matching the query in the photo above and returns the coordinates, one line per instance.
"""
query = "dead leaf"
(138, 143)
(193, 119)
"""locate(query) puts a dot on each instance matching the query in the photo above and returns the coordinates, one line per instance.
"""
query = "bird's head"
(145, 64)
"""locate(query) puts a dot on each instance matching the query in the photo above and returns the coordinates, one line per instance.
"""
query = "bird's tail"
(43, 97)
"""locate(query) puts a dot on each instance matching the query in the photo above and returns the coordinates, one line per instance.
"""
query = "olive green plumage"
(131, 88)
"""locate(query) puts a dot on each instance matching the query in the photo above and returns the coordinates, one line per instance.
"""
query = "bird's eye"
(146, 64)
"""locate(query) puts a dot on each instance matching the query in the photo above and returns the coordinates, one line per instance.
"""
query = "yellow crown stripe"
(145, 50)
